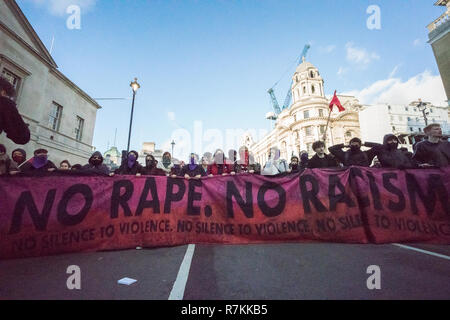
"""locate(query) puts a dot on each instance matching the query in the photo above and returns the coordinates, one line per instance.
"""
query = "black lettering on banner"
(374, 191)
(246, 206)
(435, 185)
(333, 182)
(150, 185)
(310, 195)
(26, 201)
(122, 200)
(363, 200)
(67, 219)
(173, 197)
(278, 209)
(194, 196)
(394, 206)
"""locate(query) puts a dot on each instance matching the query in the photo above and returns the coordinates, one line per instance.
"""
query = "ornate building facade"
(304, 122)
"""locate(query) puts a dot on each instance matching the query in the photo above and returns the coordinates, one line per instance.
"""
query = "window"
(79, 128)
(411, 129)
(406, 109)
(306, 114)
(431, 110)
(409, 119)
(11, 77)
(393, 128)
(348, 134)
(55, 116)
(304, 90)
(420, 129)
(308, 131)
(322, 129)
(313, 89)
(415, 109)
(311, 74)
(320, 112)
(389, 108)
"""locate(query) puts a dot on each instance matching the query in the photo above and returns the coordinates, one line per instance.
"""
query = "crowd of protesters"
(433, 152)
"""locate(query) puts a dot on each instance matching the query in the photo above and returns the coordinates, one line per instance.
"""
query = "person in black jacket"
(294, 166)
(151, 167)
(433, 151)
(39, 163)
(10, 120)
(193, 169)
(7, 166)
(19, 156)
(354, 156)
(321, 159)
(390, 156)
(130, 166)
(95, 165)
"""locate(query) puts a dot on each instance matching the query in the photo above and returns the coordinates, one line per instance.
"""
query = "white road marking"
(422, 251)
(177, 292)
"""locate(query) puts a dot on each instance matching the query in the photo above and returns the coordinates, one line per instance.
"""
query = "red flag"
(335, 101)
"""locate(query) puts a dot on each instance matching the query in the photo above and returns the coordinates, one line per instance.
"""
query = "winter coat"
(328, 161)
(392, 158)
(353, 158)
(12, 123)
(437, 154)
(95, 169)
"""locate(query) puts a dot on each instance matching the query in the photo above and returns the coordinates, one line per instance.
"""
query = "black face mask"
(294, 166)
(355, 148)
(151, 163)
(96, 162)
(392, 146)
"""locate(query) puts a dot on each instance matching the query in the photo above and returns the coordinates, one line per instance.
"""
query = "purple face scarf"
(192, 165)
(131, 160)
(39, 162)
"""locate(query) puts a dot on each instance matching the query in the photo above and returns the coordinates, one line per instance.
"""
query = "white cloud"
(360, 56)
(171, 116)
(424, 85)
(59, 7)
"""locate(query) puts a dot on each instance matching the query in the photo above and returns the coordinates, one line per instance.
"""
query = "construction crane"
(287, 100)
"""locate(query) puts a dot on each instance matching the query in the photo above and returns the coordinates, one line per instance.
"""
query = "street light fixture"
(423, 107)
(134, 86)
(173, 144)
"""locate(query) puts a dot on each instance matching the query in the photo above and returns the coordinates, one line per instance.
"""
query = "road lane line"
(422, 251)
(177, 292)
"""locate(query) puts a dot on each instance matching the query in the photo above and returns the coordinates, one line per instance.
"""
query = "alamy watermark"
(73, 22)
(74, 280)
(374, 20)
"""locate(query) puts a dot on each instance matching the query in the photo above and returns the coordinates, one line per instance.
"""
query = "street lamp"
(173, 144)
(423, 107)
(135, 86)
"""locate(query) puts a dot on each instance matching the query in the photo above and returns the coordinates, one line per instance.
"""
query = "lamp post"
(135, 86)
(423, 107)
(173, 144)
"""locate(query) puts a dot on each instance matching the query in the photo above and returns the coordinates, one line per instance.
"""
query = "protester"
(151, 167)
(294, 166)
(39, 163)
(204, 167)
(274, 165)
(193, 169)
(390, 156)
(19, 156)
(321, 159)
(95, 165)
(303, 160)
(76, 167)
(433, 151)
(233, 166)
(243, 164)
(7, 166)
(10, 120)
(166, 163)
(219, 166)
(130, 166)
(176, 168)
(254, 167)
(354, 156)
(64, 165)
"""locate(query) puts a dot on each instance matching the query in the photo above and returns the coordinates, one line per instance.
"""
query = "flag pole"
(326, 128)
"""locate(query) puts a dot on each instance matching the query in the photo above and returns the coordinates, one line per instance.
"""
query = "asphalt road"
(293, 271)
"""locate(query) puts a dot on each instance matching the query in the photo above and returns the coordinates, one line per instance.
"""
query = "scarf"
(39, 162)
(131, 160)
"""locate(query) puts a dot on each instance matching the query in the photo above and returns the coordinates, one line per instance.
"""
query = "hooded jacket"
(354, 158)
(392, 158)
(12, 123)
(152, 169)
(95, 169)
(135, 169)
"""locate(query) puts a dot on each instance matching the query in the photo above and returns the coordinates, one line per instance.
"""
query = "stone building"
(61, 116)
(304, 122)
(439, 39)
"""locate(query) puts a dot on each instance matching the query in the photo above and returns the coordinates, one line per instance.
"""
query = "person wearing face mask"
(166, 163)
(243, 164)
(19, 156)
(219, 165)
(354, 156)
(390, 156)
(151, 167)
(193, 169)
(304, 159)
(10, 120)
(274, 165)
(321, 159)
(39, 163)
(130, 166)
(7, 166)
(95, 165)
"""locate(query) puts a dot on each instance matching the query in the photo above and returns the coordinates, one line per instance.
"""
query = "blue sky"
(213, 61)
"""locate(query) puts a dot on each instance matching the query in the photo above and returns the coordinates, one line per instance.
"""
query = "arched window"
(311, 74)
(313, 89)
(304, 90)
(348, 134)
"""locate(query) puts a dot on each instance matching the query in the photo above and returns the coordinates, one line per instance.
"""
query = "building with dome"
(298, 126)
